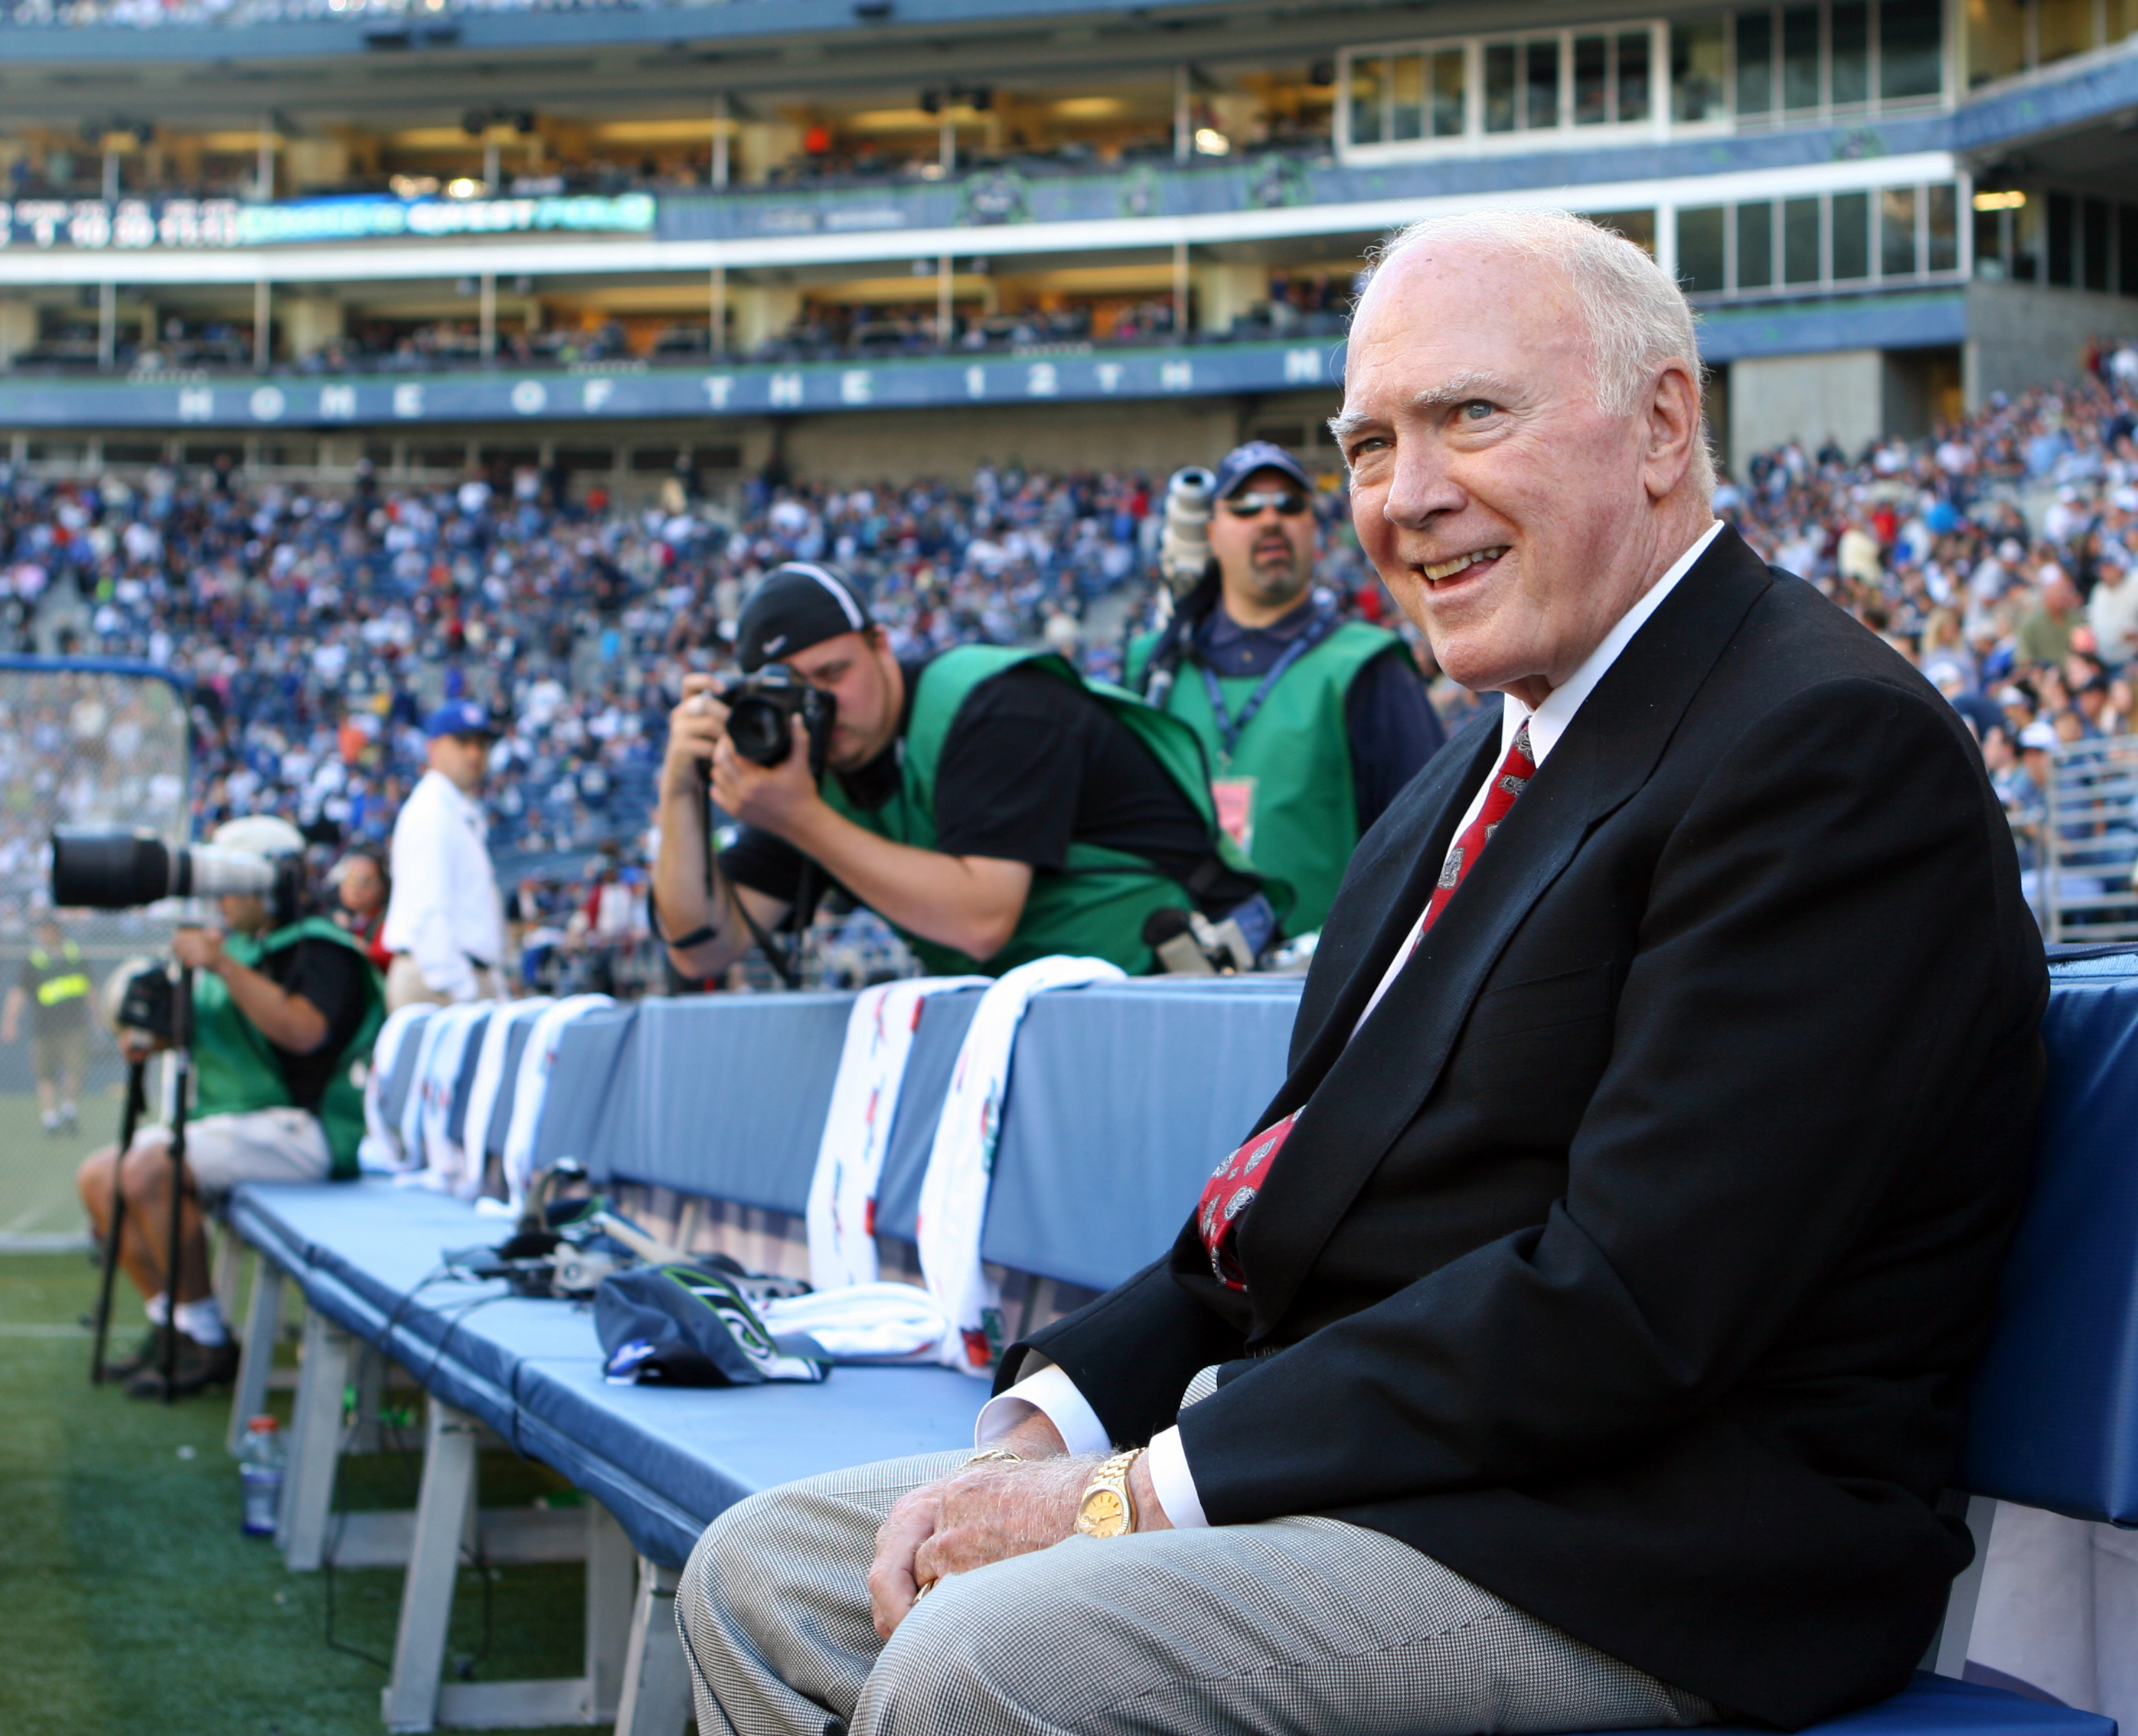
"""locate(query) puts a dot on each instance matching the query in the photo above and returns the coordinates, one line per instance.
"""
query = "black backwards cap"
(800, 604)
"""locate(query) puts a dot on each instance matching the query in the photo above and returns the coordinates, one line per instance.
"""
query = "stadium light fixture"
(1209, 142)
(2009, 201)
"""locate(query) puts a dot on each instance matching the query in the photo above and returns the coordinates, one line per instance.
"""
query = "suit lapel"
(1360, 1095)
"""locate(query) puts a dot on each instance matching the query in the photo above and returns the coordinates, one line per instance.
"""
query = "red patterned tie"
(1233, 1186)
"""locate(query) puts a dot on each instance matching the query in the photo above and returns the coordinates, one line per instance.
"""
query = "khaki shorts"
(62, 1054)
(405, 986)
(257, 1145)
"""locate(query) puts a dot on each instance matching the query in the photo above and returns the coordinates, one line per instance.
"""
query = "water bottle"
(260, 1469)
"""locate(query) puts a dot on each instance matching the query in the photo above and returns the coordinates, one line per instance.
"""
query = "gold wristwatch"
(1107, 1509)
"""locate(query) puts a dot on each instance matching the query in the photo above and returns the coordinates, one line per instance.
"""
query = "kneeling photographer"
(987, 802)
(282, 1005)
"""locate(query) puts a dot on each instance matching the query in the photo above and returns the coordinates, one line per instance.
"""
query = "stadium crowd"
(320, 626)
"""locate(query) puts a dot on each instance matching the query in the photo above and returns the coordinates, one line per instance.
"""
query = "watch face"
(1104, 1514)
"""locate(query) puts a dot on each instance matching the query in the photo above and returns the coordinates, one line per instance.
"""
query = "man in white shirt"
(446, 924)
(1597, 1356)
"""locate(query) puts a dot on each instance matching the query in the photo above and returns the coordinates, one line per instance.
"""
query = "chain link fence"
(85, 745)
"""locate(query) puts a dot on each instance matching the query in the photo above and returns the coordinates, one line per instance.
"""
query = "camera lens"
(758, 728)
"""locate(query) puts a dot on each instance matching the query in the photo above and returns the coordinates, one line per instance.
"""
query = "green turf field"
(133, 1604)
(37, 1202)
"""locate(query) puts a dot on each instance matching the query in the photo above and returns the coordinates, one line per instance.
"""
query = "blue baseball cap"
(458, 717)
(1241, 462)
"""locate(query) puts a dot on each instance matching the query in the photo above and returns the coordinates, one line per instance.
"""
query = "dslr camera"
(761, 712)
(119, 871)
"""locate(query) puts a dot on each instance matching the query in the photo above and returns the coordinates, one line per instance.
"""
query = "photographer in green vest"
(1311, 723)
(54, 985)
(285, 1010)
(988, 802)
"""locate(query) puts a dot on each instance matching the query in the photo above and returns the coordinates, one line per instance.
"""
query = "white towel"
(382, 1147)
(865, 1322)
(953, 1195)
(489, 1079)
(843, 1189)
(531, 1091)
(442, 1157)
(410, 1126)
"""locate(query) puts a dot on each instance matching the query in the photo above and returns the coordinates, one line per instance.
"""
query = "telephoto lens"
(118, 871)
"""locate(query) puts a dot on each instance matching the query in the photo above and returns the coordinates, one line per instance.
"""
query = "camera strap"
(1230, 729)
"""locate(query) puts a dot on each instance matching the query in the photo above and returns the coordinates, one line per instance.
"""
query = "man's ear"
(1672, 423)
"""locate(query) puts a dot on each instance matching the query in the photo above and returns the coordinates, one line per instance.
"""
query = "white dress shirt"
(445, 911)
(1051, 1391)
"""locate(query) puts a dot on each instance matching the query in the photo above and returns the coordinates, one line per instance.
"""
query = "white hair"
(1637, 317)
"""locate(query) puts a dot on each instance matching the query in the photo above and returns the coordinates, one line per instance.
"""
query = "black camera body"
(761, 712)
(149, 1002)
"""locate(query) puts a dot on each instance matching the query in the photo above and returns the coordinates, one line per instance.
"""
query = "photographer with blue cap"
(1311, 723)
(989, 802)
(444, 925)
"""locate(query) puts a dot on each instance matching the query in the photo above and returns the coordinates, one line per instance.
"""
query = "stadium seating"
(720, 1097)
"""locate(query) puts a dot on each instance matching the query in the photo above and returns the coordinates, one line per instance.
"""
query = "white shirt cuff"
(1172, 1481)
(1052, 1392)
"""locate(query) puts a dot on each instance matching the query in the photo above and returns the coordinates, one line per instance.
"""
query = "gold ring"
(923, 1589)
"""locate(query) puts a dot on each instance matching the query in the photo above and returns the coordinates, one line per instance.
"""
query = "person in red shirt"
(363, 888)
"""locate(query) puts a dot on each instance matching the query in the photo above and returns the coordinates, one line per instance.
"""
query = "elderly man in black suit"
(1580, 1342)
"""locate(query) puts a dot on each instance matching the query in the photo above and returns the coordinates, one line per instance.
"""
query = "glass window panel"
(2126, 251)
(1897, 232)
(1755, 246)
(1366, 102)
(2123, 22)
(1851, 235)
(1633, 73)
(1911, 49)
(2061, 239)
(2093, 244)
(2025, 255)
(1637, 226)
(1756, 62)
(1543, 84)
(1699, 59)
(1849, 45)
(1989, 245)
(1700, 263)
(1407, 88)
(2067, 28)
(1592, 80)
(1996, 39)
(1800, 241)
(1800, 57)
(1500, 87)
(1450, 81)
(1943, 221)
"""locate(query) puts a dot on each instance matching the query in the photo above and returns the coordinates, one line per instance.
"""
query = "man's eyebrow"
(1460, 388)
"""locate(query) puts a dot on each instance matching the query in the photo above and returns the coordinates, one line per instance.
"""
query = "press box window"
(1699, 60)
(1702, 265)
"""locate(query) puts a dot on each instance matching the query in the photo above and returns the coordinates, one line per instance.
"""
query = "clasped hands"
(988, 1512)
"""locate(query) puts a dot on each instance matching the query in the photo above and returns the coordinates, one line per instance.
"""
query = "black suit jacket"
(1630, 1259)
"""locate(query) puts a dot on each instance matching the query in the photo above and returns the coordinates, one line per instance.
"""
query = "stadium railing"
(711, 1100)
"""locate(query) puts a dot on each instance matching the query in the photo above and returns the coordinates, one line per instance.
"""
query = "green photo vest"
(1286, 793)
(235, 1068)
(1096, 905)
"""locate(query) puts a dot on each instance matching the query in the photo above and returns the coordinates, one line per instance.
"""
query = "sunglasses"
(1290, 503)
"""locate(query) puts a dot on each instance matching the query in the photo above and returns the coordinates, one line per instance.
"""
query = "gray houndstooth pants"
(1295, 1624)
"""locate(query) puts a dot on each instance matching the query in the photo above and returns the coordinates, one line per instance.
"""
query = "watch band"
(1106, 1507)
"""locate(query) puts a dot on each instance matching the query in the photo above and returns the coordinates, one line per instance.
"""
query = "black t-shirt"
(1030, 765)
(331, 977)
(67, 1014)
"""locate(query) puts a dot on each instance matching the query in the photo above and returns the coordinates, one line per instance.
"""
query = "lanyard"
(1230, 729)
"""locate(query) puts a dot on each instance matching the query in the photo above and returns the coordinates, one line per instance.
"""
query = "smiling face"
(1514, 517)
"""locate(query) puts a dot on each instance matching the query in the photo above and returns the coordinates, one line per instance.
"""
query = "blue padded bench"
(1183, 1067)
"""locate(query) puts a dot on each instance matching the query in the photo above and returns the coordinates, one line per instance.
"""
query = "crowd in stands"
(2000, 555)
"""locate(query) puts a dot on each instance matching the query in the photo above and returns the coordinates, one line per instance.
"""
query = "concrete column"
(1224, 292)
(312, 322)
(1840, 393)
(763, 311)
(18, 328)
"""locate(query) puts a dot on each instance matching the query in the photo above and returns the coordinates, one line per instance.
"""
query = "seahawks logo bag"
(684, 1326)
